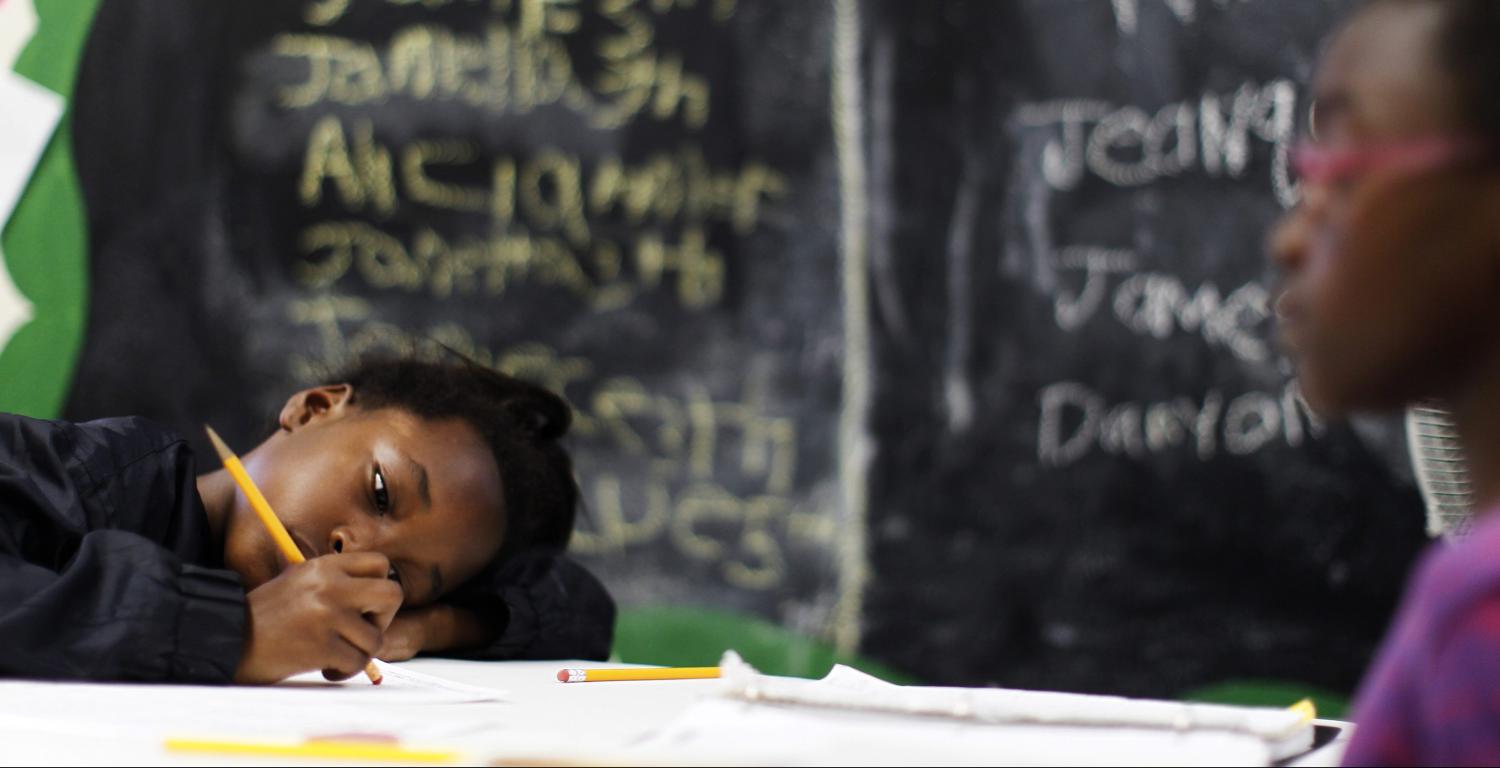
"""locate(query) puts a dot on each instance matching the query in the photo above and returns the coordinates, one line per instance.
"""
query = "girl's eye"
(382, 497)
(394, 575)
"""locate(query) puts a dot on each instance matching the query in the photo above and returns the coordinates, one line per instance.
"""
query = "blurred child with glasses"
(1391, 266)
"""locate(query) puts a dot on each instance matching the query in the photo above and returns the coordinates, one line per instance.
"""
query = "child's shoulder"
(102, 444)
(1455, 579)
(130, 433)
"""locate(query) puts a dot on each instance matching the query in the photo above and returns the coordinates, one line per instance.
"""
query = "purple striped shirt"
(1432, 696)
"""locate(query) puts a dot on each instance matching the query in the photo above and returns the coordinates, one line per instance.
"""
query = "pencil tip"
(224, 453)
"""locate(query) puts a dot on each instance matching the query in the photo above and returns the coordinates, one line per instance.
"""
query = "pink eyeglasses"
(1318, 164)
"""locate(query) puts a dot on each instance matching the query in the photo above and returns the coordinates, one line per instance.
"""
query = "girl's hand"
(407, 634)
(432, 628)
(328, 613)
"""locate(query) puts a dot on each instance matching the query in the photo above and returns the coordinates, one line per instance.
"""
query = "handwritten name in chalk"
(609, 276)
(1076, 421)
(550, 190)
(557, 15)
(1159, 305)
(1127, 147)
(516, 62)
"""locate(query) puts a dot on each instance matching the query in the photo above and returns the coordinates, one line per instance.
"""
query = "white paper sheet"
(17, 25)
(800, 735)
(1284, 732)
(31, 113)
(401, 686)
(303, 707)
(15, 310)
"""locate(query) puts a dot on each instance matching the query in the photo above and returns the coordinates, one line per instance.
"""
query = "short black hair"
(1469, 46)
(521, 422)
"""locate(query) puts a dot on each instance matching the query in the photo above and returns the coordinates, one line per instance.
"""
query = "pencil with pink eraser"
(640, 673)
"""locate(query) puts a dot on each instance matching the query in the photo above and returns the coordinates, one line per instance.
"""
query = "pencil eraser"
(562, 675)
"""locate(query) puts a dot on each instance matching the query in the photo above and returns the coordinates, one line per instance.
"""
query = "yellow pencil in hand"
(648, 673)
(267, 517)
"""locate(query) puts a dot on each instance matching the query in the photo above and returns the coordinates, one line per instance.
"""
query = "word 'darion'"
(1075, 421)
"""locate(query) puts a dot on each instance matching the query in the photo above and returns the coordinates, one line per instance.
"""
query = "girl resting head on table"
(432, 501)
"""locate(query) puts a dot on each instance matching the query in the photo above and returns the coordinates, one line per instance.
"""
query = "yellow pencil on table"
(314, 748)
(646, 673)
(267, 517)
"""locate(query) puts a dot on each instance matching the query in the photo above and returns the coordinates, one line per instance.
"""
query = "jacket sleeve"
(549, 606)
(88, 588)
(122, 608)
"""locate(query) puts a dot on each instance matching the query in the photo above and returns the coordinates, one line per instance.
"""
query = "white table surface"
(541, 719)
(537, 711)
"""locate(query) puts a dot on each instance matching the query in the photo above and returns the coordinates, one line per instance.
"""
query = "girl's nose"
(359, 533)
(346, 538)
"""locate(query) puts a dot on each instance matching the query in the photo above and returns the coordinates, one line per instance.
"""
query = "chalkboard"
(1104, 479)
(630, 202)
(939, 330)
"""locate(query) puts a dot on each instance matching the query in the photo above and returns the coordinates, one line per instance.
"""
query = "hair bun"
(540, 414)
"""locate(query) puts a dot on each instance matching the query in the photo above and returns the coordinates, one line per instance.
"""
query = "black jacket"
(108, 570)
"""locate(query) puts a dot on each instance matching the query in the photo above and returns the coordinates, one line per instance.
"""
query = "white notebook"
(849, 717)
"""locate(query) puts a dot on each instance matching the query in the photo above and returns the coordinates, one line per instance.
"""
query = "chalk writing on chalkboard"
(1159, 305)
(515, 67)
(1127, 147)
(551, 194)
(1081, 407)
(1076, 420)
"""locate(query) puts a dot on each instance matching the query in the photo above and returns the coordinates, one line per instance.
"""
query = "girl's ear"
(325, 402)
